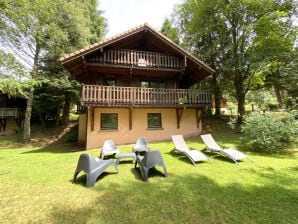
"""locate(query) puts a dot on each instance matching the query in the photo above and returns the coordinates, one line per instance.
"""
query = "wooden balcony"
(137, 59)
(11, 113)
(93, 96)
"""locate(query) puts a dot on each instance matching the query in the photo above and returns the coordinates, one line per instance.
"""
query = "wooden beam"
(92, 118)
(18, 122)
(198, 116)
(130, 118)
(179, 113)
(3, 124)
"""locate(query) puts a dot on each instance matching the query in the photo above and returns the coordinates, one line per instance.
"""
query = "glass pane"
(154, 120)
(109, 121)
(109, 82)
(145, 84)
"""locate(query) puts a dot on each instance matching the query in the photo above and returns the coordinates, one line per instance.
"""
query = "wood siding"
(93, 95)
(136, 59)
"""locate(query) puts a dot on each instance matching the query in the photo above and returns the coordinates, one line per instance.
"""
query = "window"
(109, 82)
(154, 84)
(154, 120)
(109, 122)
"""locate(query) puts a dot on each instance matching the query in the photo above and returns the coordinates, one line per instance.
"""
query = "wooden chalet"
(136, 84)
(12, 114)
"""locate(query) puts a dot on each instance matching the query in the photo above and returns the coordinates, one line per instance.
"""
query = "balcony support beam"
(179, 112)
(92, 118)
(198, 116)
(18, 122)
(3, 124)
(130, 118)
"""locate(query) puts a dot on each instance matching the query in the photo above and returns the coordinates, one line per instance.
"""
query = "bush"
(271, 132)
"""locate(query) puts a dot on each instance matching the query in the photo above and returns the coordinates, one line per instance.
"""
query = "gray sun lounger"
(93, 167)
(233, 154)
(193, 154)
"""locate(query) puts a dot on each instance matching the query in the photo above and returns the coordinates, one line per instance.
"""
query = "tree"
(238, 37)
(170, 31)
(11, 67)
(32, 28)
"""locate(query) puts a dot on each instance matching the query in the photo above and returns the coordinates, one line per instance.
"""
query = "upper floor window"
(154, 84)
(109, 82)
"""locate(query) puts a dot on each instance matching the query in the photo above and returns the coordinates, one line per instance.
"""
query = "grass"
(36, 187)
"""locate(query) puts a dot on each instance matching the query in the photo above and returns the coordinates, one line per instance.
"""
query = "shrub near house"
(271, 132)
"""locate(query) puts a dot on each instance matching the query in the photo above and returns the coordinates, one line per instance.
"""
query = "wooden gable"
(141, 39)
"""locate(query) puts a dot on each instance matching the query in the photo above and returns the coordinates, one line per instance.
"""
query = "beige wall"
(95, 138)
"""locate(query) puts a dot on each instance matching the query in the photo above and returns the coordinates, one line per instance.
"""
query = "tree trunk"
(217, 96)
(240, 94)
(66, 109)
(57, 117)
(26, 130)
(278, 95)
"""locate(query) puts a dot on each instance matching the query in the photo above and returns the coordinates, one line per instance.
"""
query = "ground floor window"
(109, 121)
(154, 120)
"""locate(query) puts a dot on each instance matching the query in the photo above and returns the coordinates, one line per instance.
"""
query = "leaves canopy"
(237, 37)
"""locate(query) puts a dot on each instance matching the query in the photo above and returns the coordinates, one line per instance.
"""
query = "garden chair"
(149, 160)
(193, 154)
(109, 148)
(233, 154)
(93, 167)
(141, 145)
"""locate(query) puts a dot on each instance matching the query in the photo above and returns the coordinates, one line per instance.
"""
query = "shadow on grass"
(58, 147)
(82, 178)
(188, 199)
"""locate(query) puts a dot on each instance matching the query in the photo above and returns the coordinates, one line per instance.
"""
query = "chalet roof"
(125, 35)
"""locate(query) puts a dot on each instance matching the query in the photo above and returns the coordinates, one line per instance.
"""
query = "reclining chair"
(149, 160)
(93, 167)
(233, 154)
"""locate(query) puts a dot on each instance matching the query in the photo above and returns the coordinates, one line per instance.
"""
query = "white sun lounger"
(193, 154)
(233, 154)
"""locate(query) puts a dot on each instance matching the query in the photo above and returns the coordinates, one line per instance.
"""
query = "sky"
(123, 15)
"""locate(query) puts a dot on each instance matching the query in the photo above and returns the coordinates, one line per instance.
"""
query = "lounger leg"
(90, 180)
(251, 160)
(116, 167)
(75, 175)
(145, 174)
(165, 171)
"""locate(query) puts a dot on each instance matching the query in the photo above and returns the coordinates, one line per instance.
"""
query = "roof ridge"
(94, 45)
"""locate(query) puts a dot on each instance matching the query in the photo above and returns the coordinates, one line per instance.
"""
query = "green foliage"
(170, 31)
(270, 133)
(237, 37)
(38, 32)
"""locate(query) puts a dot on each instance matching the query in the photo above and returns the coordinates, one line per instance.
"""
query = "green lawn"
(36, 187)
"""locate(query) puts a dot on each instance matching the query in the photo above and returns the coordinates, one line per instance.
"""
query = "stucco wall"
(95, 138)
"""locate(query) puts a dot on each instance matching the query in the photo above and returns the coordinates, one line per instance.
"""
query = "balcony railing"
(11, 113)
(93, 95)
(137, 59)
